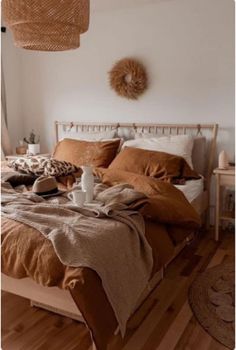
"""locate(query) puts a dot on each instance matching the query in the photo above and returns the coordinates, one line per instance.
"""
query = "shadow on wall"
(226, 141)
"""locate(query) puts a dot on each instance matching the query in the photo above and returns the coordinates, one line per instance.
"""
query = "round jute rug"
(211, 297)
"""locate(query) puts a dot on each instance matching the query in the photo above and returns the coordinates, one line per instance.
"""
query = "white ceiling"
(103, 5)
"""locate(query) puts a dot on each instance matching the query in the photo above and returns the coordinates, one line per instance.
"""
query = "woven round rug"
(211, 297)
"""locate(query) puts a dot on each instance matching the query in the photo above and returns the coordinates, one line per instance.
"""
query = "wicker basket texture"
(46, 25)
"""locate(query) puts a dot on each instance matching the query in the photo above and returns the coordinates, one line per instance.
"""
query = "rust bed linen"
(27, 253)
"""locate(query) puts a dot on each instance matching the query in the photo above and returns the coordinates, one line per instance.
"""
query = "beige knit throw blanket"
(108, 238)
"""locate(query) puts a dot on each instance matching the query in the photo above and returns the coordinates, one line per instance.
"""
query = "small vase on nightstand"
(87, 182)
(223, 160)
(33, 148)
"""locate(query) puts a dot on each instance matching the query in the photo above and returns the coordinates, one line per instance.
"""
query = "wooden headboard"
(208, 130)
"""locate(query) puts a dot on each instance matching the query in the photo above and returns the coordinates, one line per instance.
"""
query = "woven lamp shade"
(46, 25)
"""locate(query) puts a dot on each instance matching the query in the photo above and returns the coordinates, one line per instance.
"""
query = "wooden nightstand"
(16, 156)
(224, 178)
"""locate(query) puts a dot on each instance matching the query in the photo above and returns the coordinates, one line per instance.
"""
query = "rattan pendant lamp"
(46, 25)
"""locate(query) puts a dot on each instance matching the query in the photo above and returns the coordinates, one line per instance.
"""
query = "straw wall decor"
(128, 78)
(46, 25)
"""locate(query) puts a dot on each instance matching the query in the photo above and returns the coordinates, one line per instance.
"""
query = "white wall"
(186, 45)
(11, 66)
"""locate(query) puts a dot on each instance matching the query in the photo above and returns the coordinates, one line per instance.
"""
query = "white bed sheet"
(192, 188)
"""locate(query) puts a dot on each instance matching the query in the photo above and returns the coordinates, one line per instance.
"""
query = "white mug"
(78, 197)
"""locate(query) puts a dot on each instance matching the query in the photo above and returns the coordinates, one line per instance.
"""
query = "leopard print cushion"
(55, 167)
(39, 165)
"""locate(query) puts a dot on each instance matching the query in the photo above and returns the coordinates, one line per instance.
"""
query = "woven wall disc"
(128, 78)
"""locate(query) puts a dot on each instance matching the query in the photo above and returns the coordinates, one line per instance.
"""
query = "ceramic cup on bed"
(78, 197)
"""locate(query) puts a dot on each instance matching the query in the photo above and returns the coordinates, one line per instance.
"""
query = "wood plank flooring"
(164, 322)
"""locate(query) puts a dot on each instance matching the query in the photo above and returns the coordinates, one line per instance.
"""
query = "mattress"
(192, 188)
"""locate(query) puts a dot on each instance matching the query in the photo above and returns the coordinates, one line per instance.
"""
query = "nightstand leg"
(217, 212)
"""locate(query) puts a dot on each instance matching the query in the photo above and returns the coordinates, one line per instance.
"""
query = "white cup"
(78, 197)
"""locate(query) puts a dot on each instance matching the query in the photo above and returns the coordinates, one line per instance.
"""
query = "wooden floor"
(164, 322)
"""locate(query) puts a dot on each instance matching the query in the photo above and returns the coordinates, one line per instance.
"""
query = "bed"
(197, 191)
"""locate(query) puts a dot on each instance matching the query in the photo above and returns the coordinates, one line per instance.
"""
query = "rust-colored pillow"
(160, 165)
(165, 204)
(94, 153)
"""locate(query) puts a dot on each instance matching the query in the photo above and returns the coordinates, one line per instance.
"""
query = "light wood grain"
(164, 322)
(224, 178)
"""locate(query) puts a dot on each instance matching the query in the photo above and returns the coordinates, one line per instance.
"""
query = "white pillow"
(180, 145)
(90, 136)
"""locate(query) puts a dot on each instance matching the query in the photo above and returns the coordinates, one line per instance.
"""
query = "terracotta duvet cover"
(27, 253)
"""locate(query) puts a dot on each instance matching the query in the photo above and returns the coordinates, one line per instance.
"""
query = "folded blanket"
(108, 238)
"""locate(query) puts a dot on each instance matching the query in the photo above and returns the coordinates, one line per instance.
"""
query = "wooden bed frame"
(60, 301)
(207, 130)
